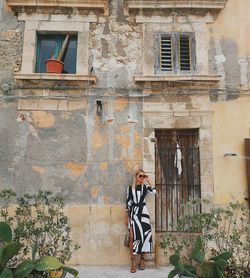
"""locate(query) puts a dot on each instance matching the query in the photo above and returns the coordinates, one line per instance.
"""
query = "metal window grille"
(174, 189)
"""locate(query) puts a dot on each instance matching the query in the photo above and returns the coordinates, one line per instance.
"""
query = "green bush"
(38, 221)
(221, 229)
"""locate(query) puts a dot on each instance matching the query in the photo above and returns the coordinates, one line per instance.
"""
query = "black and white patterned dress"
(139, 217)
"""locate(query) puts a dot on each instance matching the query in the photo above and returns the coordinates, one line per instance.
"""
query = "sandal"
(133, 264)
(142, 263)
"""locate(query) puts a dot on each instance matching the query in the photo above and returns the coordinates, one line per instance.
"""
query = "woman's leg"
(132, 256)
(142, 262)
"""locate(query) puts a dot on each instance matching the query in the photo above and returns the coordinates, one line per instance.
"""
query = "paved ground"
(121, 272)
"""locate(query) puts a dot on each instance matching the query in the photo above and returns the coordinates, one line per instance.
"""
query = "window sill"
(174, 4)
(77, 4)
(55, 77)
(187, 78)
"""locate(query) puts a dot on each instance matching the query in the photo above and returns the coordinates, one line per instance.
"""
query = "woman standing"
(138, 218)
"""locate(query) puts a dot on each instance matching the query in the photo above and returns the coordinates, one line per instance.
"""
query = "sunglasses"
(143, 176)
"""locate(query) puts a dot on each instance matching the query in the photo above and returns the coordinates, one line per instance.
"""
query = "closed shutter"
(184, 53)
(166, 53)
(175, 53)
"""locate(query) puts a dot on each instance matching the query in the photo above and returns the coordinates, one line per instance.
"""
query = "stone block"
(90, 257)
(27, 104)
(27, 67)
(181, 113)
(79, 216)
(124, 254)
(76, 105)
(62, 105)
(28, 53)
(108, 250)
(161, 259)
(118, 213)
(47, 104)
(100, 220)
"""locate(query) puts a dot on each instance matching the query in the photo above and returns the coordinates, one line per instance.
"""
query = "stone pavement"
(120, 272)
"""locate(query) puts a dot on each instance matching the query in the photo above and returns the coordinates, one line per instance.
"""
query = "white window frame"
(32, 27)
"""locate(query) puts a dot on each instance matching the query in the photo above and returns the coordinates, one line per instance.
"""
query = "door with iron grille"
(177, 174)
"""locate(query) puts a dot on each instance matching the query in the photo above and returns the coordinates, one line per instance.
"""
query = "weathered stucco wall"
(229, 48)
(229, 43)
(53, 140)
(231, 125)
(65, 147)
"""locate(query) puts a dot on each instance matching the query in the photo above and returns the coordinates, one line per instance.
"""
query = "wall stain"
(75, 168)
(120, 104)
(43, 119)
(38, 169)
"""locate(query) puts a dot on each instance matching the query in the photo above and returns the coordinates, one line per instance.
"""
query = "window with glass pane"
(49, 45)
(176, 53)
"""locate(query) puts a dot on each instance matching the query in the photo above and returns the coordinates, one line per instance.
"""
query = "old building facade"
(142, 80)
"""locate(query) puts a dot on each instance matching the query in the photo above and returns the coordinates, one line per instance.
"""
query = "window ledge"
(178, 78)
(78, 4)
(55, 77)
(173, 4)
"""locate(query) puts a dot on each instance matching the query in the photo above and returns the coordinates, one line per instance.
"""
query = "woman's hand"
(147, 181)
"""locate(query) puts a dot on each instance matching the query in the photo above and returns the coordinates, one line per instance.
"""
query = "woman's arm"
(128, 206)
(149, 185)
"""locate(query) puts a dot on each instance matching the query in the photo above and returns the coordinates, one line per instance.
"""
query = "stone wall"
(54, 139)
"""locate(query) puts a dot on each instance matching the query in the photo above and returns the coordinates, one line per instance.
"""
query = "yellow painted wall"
(233, 22)
(231, 125)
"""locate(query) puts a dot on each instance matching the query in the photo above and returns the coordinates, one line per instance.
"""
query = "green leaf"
(219, 273)
(7, 273)
(198, 256)
(188, 273)
(221, 264)
(5, 232)
(180, 266)
(173, 273)
(71, 270)
(198, 244)
(47, 263)
(190, 268)
(224, 256)
(174, 259)
(1, 253)
(9, 251)
(34, 250)
(24, 269)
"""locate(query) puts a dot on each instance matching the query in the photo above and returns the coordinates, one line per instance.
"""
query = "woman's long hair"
(134, 179)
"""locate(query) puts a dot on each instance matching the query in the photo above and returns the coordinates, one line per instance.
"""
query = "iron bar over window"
(177, 175)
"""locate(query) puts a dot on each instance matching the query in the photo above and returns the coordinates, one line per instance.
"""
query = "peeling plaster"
(243, 62)
(43, 119)
(75, 168)
(38, 169)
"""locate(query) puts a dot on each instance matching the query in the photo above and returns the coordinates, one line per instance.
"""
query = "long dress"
(139, 217)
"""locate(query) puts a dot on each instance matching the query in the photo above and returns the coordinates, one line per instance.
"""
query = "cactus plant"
(9, 249)
(199, 267)
(44, 263)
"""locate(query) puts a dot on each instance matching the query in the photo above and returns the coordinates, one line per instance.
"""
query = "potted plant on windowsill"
(55, 65)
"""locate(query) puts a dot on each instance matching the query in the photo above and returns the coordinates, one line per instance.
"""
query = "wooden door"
(177, 174)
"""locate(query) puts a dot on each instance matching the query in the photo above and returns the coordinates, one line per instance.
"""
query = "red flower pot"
(54, 66)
